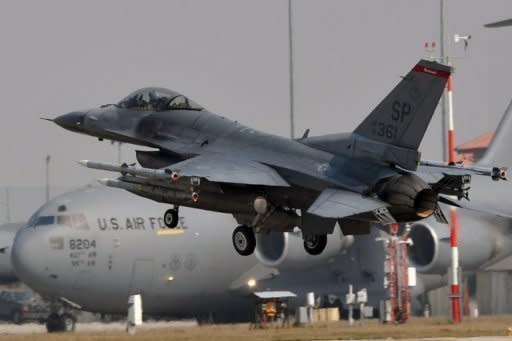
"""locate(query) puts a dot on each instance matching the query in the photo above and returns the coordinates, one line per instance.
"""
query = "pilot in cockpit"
(158, 99)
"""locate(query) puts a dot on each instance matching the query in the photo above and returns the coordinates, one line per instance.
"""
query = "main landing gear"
(60, 323)
(171, 217)
(244, 240)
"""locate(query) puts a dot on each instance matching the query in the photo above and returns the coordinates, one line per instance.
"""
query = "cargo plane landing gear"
(171, 217)
(244, 240)
(60, 323)
(314, 245)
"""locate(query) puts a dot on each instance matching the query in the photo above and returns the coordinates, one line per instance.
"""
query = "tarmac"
(416, 329)
(92, 327)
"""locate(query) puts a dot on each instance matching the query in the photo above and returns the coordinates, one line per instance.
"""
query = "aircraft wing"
(336, 203)
(218, 169)
(211, 167)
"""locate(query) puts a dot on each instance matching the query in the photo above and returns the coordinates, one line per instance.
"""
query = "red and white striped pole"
(451, 134)
(454, 219)
(454, 242)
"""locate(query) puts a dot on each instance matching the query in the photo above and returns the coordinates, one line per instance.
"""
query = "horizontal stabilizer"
(336, 203)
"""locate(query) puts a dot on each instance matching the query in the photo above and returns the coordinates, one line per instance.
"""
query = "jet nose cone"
(72, 121)
(26, 256)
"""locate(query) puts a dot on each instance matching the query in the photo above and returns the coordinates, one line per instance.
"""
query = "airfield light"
(251, 283)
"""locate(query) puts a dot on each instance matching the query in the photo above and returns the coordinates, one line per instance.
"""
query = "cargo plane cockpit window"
(76, 220)
(79, 221)
(158, 99)
(64, 220)
(44, 220)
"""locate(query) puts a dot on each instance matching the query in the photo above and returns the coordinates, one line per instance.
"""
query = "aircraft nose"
(72, 121)
(6, 269)
(26, 255)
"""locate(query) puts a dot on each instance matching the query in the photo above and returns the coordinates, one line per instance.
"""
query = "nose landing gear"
(244, 240)
(171, 217)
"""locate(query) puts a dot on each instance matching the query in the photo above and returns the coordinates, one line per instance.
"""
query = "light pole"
(48, 159)
(7, 205)
(444, 101)
(290, 46)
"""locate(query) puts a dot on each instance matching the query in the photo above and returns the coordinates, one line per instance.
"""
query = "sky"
(231, 56)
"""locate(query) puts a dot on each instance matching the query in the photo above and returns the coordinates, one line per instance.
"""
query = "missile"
(494, 172)
(127, 169)
(170, 195)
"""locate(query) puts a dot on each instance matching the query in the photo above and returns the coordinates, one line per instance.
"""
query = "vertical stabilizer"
(499, 151)
(402, 118)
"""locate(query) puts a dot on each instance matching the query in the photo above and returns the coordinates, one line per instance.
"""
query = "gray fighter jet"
(271, 183)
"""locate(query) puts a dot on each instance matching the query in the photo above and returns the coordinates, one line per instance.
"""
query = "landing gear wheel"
(67, 323)
(17, 317)
(171, 218)
(316, 245)
(244, 240)
(131, 328)
(52, 323)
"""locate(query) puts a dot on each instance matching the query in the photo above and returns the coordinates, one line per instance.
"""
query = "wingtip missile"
(499, 173)
(104, 181)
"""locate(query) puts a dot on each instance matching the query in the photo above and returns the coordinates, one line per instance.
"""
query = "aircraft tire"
(244, 240)
(52, 323)
(67, 323)
(171, 218)
(131, 329)
(317, 245)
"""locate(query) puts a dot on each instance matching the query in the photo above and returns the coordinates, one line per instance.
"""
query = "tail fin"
(499, 152)
(402, 118)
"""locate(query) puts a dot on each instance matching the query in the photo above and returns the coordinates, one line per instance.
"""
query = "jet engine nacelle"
(430, 252)
(285, 250)
(410, 197)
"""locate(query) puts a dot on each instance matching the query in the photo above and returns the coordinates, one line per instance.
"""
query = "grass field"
(416, 328)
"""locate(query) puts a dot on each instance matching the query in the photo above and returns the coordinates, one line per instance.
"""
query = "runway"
(484, 329)
(93, 327)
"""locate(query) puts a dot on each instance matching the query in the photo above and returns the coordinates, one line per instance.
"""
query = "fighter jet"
(270, 183)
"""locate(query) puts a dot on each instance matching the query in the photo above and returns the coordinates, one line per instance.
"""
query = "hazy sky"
(231, 57)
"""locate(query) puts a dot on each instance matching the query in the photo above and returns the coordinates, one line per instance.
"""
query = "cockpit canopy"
(158, 99)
